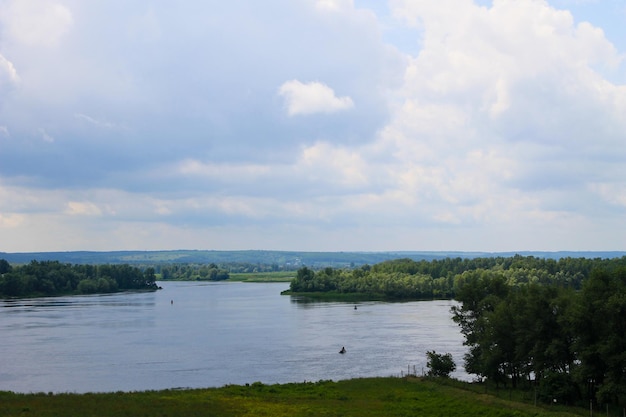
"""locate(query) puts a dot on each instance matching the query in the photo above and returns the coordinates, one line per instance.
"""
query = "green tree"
(601, 333)
(439, 365)
(303, 280)
(4, 266)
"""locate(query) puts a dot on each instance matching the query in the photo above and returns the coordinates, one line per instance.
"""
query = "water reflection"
(78, 301)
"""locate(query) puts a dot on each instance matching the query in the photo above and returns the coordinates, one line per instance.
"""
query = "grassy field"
(279, 276)
(387, 397)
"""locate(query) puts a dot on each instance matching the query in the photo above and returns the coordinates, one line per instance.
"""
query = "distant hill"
(268, 257)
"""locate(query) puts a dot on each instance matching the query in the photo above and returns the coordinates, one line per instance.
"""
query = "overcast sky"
(317, 125)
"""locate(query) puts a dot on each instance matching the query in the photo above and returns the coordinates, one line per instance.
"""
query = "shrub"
(439, 364)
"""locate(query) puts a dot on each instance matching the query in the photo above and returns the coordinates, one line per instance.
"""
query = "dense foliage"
(439, 365)
(409, 279)
(55, 278)
(193, 272)
(364, 280)
(571, 344)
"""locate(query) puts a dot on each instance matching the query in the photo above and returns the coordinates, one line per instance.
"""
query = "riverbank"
(357, 397)
(352, 297)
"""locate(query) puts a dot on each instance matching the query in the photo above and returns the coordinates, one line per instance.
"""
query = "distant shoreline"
(283, 259)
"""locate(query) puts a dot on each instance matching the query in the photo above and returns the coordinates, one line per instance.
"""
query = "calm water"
(213, 334)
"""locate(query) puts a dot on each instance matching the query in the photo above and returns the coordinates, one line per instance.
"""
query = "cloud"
(484, 127)
(330, 164)
(82, 209)
(8, 74)
(95, 122)
(35, 22)
(613, 193)
(312, 97)
(10, 221)
(45, 136)
(458, 124)
(334, 5)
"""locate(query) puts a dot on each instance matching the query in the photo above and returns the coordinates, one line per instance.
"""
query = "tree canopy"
(55, 278)
(409, 279)
(570, 343)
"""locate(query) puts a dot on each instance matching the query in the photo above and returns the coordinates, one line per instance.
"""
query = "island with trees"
(407, 279)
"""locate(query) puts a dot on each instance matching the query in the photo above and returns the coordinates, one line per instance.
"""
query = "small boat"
(343, 350)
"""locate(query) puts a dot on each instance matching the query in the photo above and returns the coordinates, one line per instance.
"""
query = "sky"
(313, 125)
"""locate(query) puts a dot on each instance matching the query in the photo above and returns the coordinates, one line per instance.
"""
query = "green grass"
(388, 397)
(278, 276)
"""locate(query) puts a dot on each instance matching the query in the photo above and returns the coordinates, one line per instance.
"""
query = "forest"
(192, 272)
(49, 278)
(440, 278)
(554, 326)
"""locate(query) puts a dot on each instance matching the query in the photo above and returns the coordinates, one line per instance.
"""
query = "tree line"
(192, 272)
(409, 279)
(49, 278)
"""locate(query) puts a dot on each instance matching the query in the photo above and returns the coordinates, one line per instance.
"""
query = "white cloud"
(96, 122)
(81, 208)
(612, 193)
(11, 220)
(318, 168)
(339, 165)
(312, 97)
(518, 71)
(8, 74)
(35, 22)
(334, 5)
(45, 136)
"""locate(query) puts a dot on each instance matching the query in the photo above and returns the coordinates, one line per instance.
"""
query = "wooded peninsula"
(51, 278)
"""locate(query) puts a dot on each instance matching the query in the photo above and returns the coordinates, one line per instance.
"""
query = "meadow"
(388, 397)
(275, 276)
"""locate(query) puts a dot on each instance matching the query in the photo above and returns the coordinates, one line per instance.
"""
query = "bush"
(439, 365)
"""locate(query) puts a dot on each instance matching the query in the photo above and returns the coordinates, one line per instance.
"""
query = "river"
(193, 335)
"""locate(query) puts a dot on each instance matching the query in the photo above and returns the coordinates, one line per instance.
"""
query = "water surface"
(210, 334)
